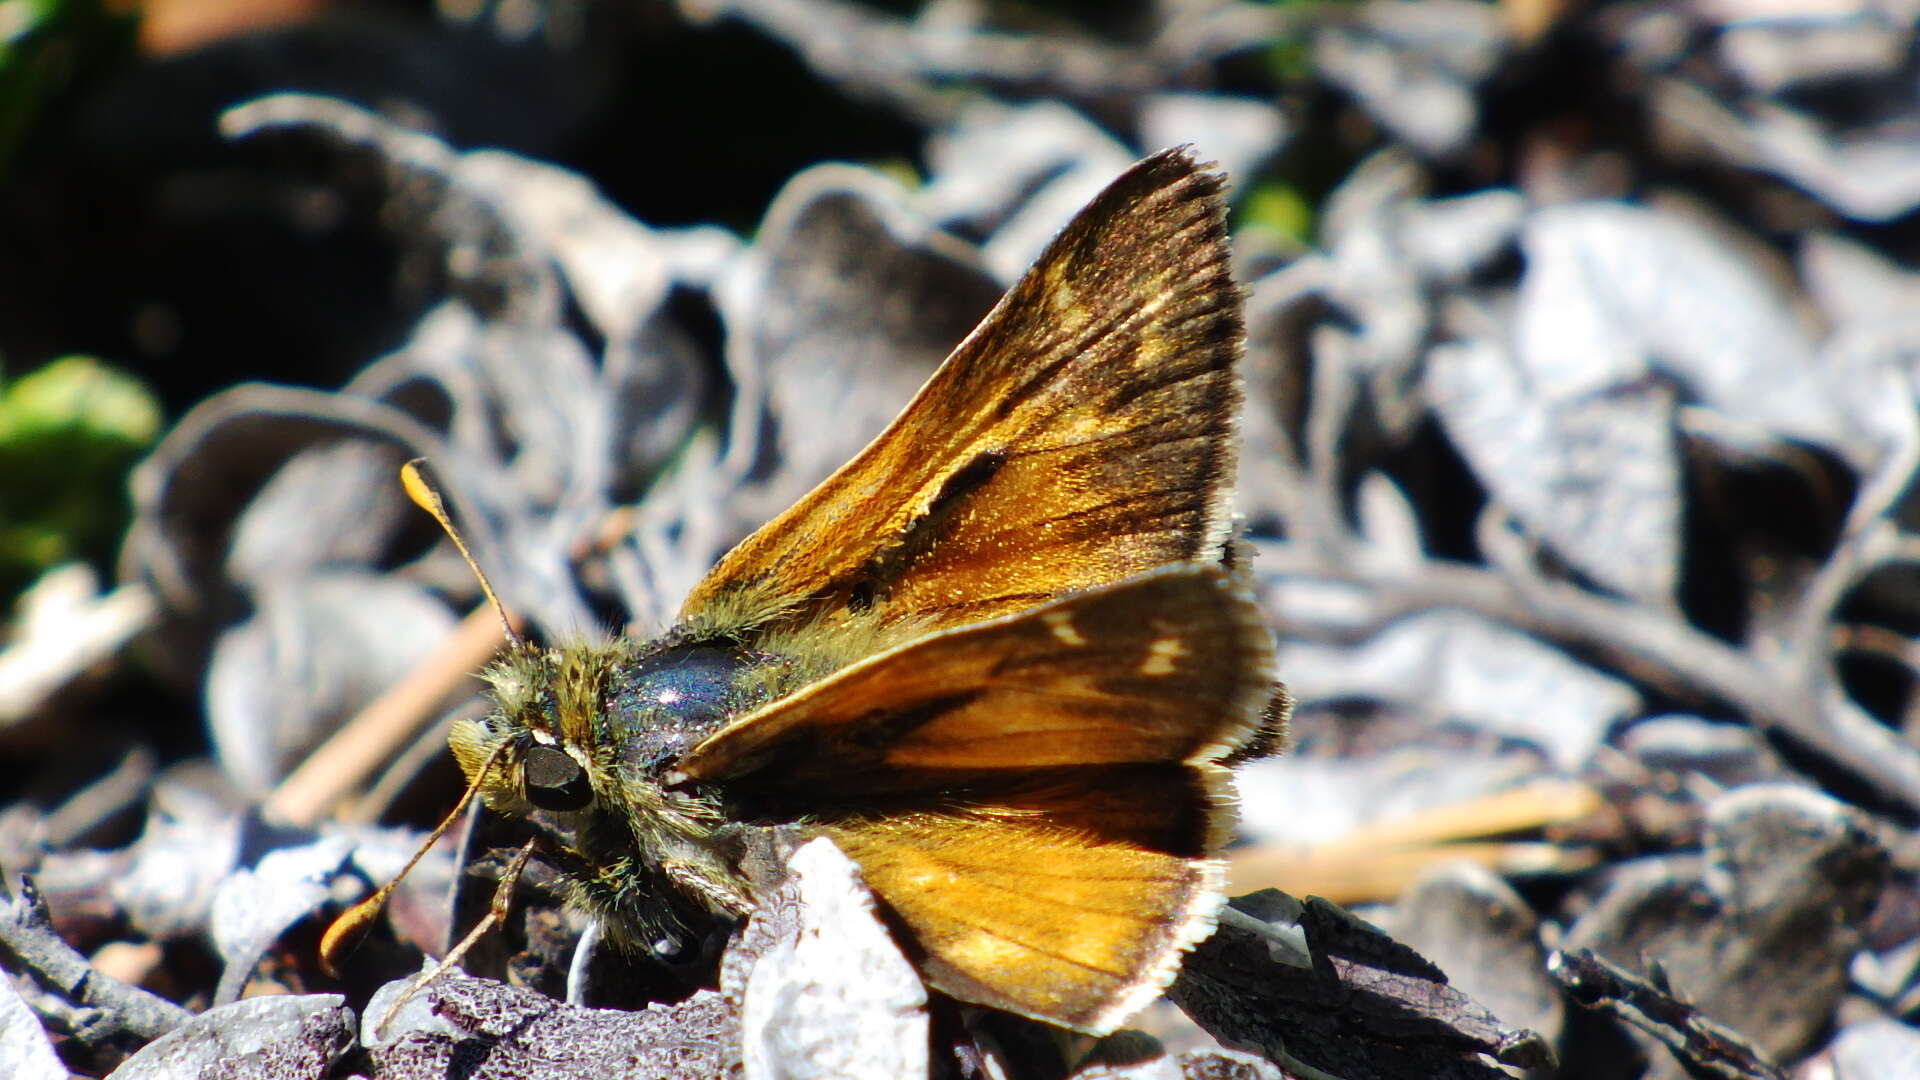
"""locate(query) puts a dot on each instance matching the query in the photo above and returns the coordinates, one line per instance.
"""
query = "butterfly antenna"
(427, 497)
(346, 933)
(496, 915)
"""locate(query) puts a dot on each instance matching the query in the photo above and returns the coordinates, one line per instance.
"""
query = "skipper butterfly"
(1002, 658)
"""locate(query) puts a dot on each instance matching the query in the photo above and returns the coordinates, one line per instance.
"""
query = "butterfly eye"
(554, 780)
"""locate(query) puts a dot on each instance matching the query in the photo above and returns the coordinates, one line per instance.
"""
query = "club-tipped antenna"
(427, 497)
(345, 933)
(497, 912)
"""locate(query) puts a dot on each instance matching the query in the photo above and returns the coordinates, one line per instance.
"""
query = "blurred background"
(1580, 435)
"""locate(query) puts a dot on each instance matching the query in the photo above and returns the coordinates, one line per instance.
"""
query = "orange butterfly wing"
(1037, 797)
(1083, 433)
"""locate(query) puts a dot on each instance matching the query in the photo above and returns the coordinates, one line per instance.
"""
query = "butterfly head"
(587, 722)
(579, 741)
(525, 754)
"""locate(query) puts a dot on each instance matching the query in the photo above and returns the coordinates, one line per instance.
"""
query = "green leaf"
(1280, 207)
(69, 434)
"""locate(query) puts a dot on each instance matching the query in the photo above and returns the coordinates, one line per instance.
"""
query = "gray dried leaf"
(1369, 278)
(1459, 667)
(1382, 184)
(317, 649)
(334, 504)
(685, 525)
(1731, 755)
(384, 1024)
(1772, 844)
(615, 271)
(1366, 1008)
(270, 1038)
(256, 904)
(1388, 521)
(1593, 475)
(1380, 236)
(484, 1030)
(544, 432)
(856, 298)
(1883, 973)
(64, 625)
(655, 384)
(1237, 134)
(1484, 936)
(25, 1051)
(1769, 56)
(549, 405)
(1867, 174)
(530, 386)
(1874, 346)
(427, 199)
(1451, 239)
(829, 995)
(1758, 932)
(1277, 306)
(1414, 66)
(1613, 291)
(1855, 285)
(190, 493)
(178, 867)
(467, 369)
(1017, 174)
(1880, 1049)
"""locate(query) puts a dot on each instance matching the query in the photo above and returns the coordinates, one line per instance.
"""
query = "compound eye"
(554, 780)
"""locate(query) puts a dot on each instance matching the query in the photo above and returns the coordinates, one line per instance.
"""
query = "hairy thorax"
(580, 740)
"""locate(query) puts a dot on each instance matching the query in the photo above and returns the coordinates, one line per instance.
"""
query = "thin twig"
(385, 726)
(27, 932)
(1706, 1048)
(427, 746)
(1656, 647)
(101, 799)
(1869, 539)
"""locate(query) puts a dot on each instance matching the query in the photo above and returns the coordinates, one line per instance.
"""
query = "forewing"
(1083, 433)
(1172, 666)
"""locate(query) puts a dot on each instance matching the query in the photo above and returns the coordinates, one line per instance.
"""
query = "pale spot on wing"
(1061, 623)
(1162, 654)
(1154, 296)
(1059, 291)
